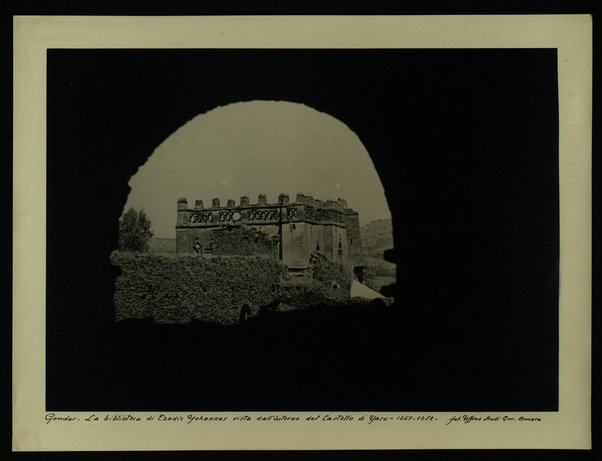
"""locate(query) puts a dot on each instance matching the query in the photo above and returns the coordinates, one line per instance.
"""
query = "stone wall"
(179, 289)
(324, 282)
(302, 226)
(184, 288)
(202, 240)
(243, 241)
(186, 239)
(354, 239)
(325, 271)
(295, 245)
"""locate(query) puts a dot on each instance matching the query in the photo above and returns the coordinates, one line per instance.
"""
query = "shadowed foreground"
(362, 356)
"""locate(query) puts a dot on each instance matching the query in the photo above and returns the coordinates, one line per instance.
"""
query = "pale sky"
(252, 148)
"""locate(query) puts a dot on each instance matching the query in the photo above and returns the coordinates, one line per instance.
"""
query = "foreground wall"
(178, 289)
(184, 288)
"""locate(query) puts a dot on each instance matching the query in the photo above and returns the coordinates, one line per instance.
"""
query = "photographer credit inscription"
(363, 419)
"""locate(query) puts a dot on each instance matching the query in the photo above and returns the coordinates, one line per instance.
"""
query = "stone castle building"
(285, 230)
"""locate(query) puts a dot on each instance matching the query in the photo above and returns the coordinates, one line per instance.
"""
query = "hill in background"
(377, 236)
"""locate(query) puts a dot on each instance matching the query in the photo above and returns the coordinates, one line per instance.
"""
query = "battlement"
(295, 229)
(283, 199)
(304, 208)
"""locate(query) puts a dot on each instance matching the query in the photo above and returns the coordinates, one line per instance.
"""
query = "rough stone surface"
(325, 271)
(180, 289)
(354, 238)
(305, 226)
(243, 241)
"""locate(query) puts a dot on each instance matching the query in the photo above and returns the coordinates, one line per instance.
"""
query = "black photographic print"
(302, 230)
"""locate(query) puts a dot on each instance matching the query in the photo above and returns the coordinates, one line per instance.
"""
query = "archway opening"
(254, 151)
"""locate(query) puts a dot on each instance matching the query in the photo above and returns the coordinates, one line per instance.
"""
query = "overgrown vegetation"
(242, 241)
(180, 289)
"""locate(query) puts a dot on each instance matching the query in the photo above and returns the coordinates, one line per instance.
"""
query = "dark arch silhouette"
(464, 141)
(128, 102)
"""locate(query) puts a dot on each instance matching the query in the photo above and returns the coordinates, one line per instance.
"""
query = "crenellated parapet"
(305, 208)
